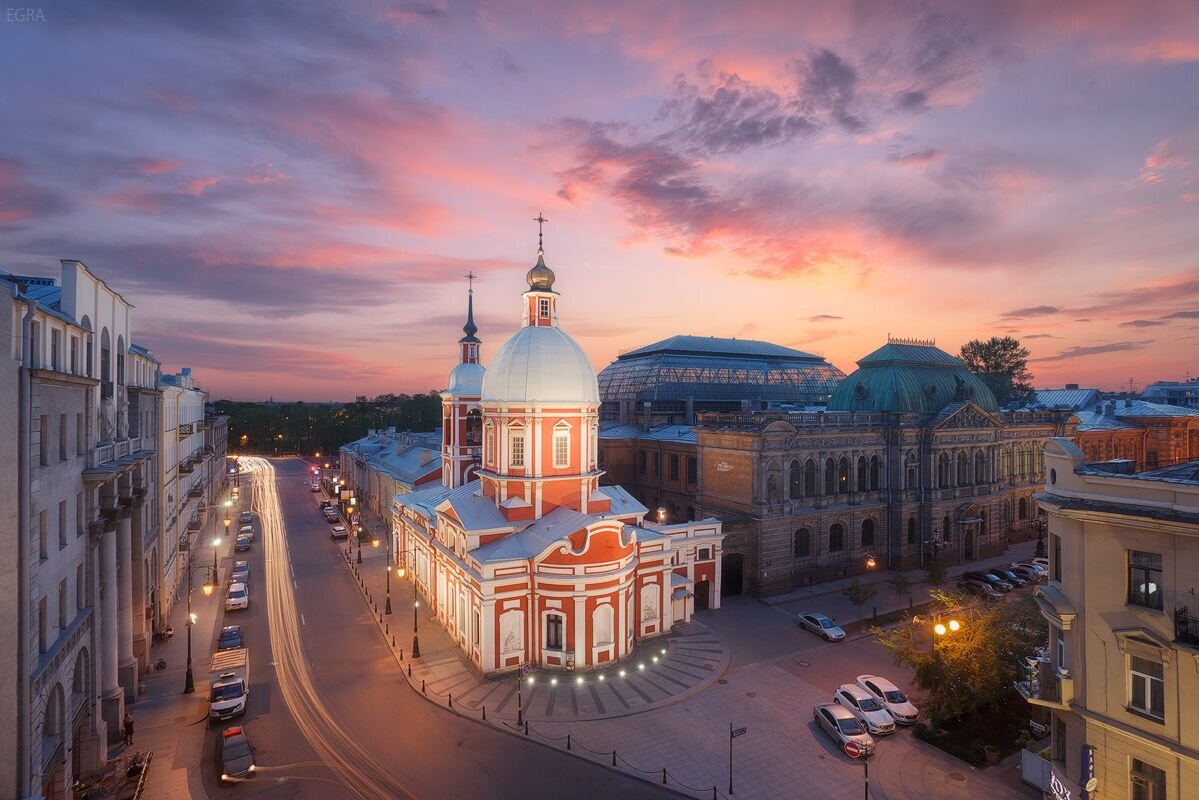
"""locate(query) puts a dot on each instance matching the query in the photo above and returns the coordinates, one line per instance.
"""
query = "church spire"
(470, 329)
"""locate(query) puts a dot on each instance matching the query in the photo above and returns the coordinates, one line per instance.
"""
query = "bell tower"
(461, 414)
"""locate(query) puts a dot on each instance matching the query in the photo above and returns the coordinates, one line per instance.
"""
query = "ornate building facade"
(520, 553)
(911, 461)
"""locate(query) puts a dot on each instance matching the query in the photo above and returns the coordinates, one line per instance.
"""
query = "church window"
(602, 625)
(862, 474)
(553, 631)
(795, 481)
(490, 449)
(809, 478)
(830, 477)
(874, 473)
(517, 457)
(843, 475)
(836, 538)
(561, 448)
(474, 424)
(980, 468)
(1023, 508)
(803, 543)
(947, 529)
(692, 470)
(543, 307)
(911, 530)
(867, 533)
(963, 469)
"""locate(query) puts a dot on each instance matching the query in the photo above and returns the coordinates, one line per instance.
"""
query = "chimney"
(425, 457)
(1128, 403)
(1071, 386)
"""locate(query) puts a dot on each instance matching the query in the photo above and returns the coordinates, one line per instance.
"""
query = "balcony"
(186, 467)
(202, 425)
(1042, 684)
(1186, 627)
(185, 429)
(196, 491)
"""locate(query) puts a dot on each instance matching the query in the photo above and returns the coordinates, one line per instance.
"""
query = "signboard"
(739, 732)
(1088, 781)
(853, 749)
(525, 669)
(1058, 787)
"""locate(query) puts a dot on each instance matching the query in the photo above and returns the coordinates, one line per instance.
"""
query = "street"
(328, 715)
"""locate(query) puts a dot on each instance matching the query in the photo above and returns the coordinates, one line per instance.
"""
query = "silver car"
(821, 625)
(842, 726)
(862, 705)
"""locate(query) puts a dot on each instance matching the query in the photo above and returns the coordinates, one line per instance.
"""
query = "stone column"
(111, 696)
(127, 664)
(137, 559)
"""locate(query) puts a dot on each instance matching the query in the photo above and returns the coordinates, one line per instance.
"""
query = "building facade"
(385, 463)
(1174, 393)
(912, 461)
(527, 559)
(1121, 669)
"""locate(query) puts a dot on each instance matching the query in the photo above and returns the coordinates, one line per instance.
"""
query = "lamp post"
(358, 539)
(215, 544)
(415, 636)
(661, 514)
(387, 603)
(189, 683)
(401, 570)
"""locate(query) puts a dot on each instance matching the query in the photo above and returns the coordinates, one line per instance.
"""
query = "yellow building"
(1121, 675)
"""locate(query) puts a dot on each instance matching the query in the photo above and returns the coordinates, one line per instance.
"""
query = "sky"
(292, 193)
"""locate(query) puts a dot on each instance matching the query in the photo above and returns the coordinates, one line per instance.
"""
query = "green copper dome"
(913, 377)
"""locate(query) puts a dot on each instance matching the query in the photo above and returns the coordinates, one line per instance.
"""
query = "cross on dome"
(540, 277)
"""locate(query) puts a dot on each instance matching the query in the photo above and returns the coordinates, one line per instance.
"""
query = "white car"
(862, 705)
(821, 625)
(1040, 561)
(238, 597)
(890, 698)
(842, 726)
(339, 532)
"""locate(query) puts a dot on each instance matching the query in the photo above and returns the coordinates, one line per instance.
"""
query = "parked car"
(1042, 560)
(230, 638)
(979, 589)
(245, 517)
(862, 705)
(1041, 569)
(238, 597)
(1027, 573)
(243, 542)
(316, 487)
(237, 756)
(996, 583)
(241, 572)
(842, 726)
(1007, 575)
(332, 518)
(339, 532)
(821, 625)
(889, 696)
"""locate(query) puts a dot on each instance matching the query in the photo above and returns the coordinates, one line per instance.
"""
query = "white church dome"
(467, 380)
(540, 364)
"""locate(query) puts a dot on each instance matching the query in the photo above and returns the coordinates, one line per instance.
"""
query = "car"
(1027, 573)
(230, 638)
(1042, 560)
(890, 698)
(979, 589)
(332, 519)
(821, 625)
(245, 517)
(326, 504)
(316, 487)
(1007, 575)
(1041, 568)
(996, 583)
(243, 542)
(861, 704)
(842, 727)
(237, 756)
(339, 532)
(238, 597)
(241, 572)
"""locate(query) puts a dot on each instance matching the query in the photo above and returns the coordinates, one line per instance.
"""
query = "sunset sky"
(291, 193)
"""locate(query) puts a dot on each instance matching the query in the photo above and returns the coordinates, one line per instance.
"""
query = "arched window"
(983, 516)
(795, 481)
(809, 478)
(803, 543)
(963, 469)
(874, 473)
(601, 624)
(944, 471)
(867, 533)
(843, 475)
(911, 530)
(474, 425)
(836, 538)
(980, 467)
(830, 477)
(1022, 508)
(947, 529)
(863, 474)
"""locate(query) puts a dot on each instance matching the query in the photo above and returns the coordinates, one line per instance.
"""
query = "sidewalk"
(167, 722)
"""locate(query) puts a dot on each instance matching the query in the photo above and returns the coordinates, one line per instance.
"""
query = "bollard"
(422, 686)
(409, 669)
(568, 741)
(387, 630)
(451, 696)
(526, 727)
(713, 793)
(484, 713)
(663, 776)
(614, 758)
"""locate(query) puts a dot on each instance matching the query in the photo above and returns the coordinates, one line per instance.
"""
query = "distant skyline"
(292, 193)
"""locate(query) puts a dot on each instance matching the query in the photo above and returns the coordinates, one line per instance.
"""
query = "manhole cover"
(804, 664)
(722, 681)
(957, 776)
(751, 694)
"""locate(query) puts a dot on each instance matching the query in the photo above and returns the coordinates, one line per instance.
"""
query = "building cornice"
(62, 378)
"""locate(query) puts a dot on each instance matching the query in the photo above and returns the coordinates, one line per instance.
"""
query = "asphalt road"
(329, 716)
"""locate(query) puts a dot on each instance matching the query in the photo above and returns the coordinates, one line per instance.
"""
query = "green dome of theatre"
(910, 376)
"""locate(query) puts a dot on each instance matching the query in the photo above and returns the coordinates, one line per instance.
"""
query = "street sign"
(853, 749)
(740, 732)
(525, 669)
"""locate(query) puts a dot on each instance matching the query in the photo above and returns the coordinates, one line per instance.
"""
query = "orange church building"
(520, 552)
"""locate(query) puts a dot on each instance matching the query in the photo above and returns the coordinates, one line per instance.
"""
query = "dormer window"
(543, 307)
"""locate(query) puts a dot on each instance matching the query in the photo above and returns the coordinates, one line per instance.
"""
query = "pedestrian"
(128, 729)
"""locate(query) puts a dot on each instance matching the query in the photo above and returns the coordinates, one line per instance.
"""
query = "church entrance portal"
(730, 577)
(702, 591)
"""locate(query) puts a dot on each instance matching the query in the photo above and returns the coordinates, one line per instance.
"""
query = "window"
(490, 447)
(517, 456)
(1056, 559)
(553, 632)
(477, 624)
(795, 481)
(836, 538)
(41, 626)
(543, 307)
(74, 355)
(44, 439)
(41, 536)
(1146, 688)
(874, 473)
(88, 366)
(674, 468)
(62, 437)
(35, 336)
(692, 470)
(862, 474)
(830, 477)
(62, 604)
(843, 476)
(1145, 579)
(80, 508)
(705, 554)
(1022, 509)
(561, 448)
(867, 533)
(809, 478)
(62, 524)
(803, 543)
(55, 349)
(657, 465)
(963, 469)
(80, 438)
(641, 461)
(911, 530)
(1148, 782)
(80, 593)
(602, 624)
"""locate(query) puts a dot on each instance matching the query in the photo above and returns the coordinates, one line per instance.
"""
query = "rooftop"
(908, 376)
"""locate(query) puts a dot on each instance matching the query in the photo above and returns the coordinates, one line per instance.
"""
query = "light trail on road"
(357, 769)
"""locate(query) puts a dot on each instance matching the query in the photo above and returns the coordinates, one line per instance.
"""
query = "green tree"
(934, 573)
(901, 586)
(1002, 364)
(973, 668)
(859, 593)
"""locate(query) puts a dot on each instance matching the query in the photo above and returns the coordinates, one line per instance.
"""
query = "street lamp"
(358, 539)
(387, 604)
(189, 683)
(871, 561)
(415, 638)
(216, 542)
(661, 514)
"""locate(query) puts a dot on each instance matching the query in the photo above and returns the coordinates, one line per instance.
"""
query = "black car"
(237, 757)
(231, 638)
(245, 517)
(1007, 575)
(996, 583)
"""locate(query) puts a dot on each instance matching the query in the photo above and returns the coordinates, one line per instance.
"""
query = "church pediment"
(965, 416)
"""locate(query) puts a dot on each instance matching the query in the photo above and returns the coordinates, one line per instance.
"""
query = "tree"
(901, 586)
(973, 668)
(934, 573)
(859, 593)
(1002, 364)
